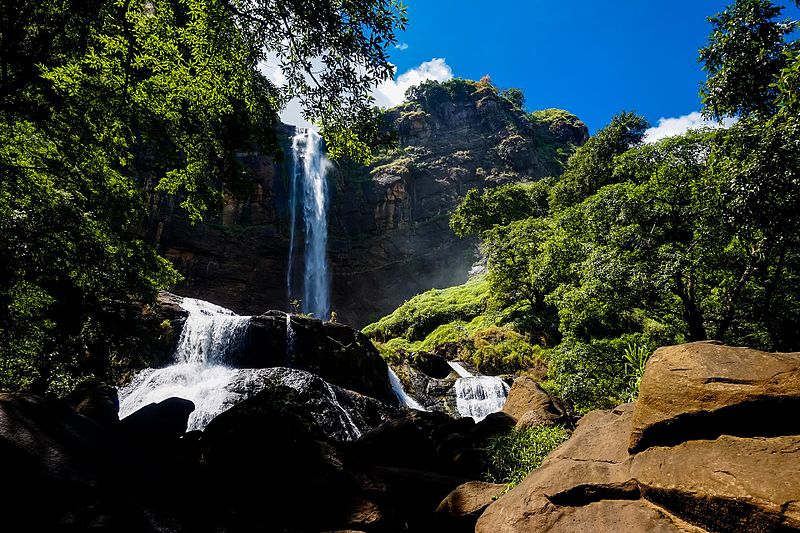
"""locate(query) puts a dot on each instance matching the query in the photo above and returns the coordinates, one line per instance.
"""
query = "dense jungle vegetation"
(104, 101)
(639, 245)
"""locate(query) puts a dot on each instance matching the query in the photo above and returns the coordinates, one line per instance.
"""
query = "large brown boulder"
(738, 474)
(531, 406)
(584, 485)
(730, 483)
(461, 508)
(702, 390)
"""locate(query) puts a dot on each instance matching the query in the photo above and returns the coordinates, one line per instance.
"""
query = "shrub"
(499, 350)
(514, 455)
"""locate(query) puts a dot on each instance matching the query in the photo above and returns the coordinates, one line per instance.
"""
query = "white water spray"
(210, 334)
(402, 395)
(478, 396)
(309, 188)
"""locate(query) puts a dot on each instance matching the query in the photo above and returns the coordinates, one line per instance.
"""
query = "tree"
(515, 96)
(592, 165)
(746, 52)
(101, 99)
(480, 212)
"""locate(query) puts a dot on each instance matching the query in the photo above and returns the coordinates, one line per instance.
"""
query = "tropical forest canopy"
(105, 100)
(636, 245)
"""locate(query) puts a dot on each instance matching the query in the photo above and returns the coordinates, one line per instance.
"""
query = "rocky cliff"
(389, 234)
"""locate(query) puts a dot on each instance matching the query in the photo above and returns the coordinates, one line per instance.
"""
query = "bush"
(594, 374)
(499, 350)
(514, 455)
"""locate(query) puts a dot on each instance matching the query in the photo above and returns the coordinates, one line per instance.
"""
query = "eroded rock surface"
(642, 467)
(389, 235)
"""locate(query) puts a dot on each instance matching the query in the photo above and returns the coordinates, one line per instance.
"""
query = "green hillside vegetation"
(691, 238)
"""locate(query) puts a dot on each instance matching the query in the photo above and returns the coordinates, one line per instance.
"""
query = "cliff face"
(389, 235)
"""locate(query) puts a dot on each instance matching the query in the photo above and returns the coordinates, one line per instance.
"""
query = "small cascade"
(460, 370)
(210, 334)
(478, 396)
(290, 338)
(309, 188)
(402, 395)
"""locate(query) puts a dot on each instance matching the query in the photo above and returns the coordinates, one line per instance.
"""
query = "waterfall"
(309, 188)
(209, 333)
(199, 374)
(402, 395)
(460, 370)
(478, 396)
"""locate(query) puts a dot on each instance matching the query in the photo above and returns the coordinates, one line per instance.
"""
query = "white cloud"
(402, 46)
(668, 127)
(392, 92)
(388, 94)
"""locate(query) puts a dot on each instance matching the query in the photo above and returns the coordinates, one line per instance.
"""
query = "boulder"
(97, 400)
(584, 485)
(693, 465)
(337, 353)
(337, 413)
(158, 424)
(702, 390)
(63, 471)
(529, 405)
(493, 424)
(461, 508)
(750, 484)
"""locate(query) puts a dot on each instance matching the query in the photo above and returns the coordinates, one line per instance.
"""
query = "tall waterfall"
(308, 189)
(478, 396)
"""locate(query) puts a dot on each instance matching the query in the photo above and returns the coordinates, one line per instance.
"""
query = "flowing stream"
(478, 396)
(308, 190)
(402, 395)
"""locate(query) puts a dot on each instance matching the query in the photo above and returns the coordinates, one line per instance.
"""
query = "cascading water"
(478, 396)
(402, 395)
(308, 188)
(199, 374)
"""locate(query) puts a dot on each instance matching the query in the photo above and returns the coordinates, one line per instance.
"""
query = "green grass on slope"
(421, 315)
(457, 316)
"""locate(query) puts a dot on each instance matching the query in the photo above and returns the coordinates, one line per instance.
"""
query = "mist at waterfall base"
(308, 198)
(478, 396)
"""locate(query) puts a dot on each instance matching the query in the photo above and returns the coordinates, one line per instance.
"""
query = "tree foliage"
(101, 101)
(746, 52)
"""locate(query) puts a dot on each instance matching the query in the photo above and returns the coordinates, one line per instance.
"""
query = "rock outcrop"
(643, 467)
(389, 234)
(529, 405)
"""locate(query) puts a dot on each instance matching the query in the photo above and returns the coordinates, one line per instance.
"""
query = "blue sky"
(591, 57)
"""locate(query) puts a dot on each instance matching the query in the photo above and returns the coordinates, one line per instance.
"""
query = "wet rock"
(337, 353)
